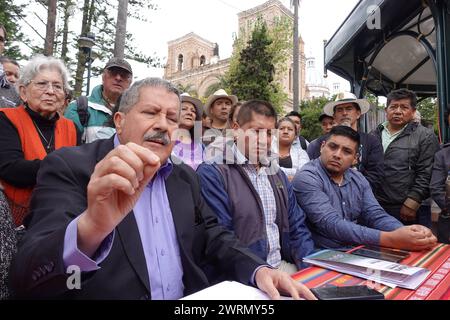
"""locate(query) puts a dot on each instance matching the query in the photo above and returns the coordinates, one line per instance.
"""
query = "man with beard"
(128, 222)
(340, 206)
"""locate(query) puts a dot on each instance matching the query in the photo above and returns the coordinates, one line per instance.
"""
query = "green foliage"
(189, 88)
(104, 27)
(99, 17)
(11, 15)
(429, 111)
(373, 99)
(221, 84)
(259, 61)
(254, 74)
(310, 112)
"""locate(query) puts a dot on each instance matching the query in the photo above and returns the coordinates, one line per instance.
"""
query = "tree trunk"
(51, 28)
(88, 11)
(65, 33)
(121, 29)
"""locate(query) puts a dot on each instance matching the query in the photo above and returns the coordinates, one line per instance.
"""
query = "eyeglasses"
(2, 39)
(45, 85)
(121, 72)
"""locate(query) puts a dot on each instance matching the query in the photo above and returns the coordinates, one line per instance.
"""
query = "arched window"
(180, 62)
(202, 60)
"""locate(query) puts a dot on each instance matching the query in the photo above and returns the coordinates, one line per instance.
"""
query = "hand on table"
(415, 237)
(273, 282)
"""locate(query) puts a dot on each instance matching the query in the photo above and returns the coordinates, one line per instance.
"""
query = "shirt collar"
(385, 126)
(344, 180)
(242, 159)
(164, 171)
(239, 156)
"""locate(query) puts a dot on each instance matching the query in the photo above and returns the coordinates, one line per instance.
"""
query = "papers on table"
(388, 273)
(229, 290)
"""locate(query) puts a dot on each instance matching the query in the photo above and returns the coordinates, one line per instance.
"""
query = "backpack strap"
(303, 143)
(82, 110)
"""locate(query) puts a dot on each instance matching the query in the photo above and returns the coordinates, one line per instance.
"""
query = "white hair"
(40, 63)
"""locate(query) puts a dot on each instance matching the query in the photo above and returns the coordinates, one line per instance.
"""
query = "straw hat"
(217, 95)
(346, 97)
(186, 97)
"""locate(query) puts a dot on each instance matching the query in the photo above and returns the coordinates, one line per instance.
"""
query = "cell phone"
(382, 253)
(347, 293)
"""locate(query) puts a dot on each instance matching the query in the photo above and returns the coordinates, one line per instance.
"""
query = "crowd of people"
(140, 191)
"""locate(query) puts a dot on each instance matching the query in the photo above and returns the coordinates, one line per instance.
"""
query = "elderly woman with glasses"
(31, 131)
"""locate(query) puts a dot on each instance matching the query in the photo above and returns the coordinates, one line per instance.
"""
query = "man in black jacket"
(347, 110)
(440, 192)
(409, 150)
(116, 219)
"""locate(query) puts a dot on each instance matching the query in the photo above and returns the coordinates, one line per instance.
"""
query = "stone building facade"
(194, 61)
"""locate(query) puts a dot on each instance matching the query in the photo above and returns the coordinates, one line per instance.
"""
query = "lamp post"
(86, 43)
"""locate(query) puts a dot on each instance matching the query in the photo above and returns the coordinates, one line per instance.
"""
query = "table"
(435, 287)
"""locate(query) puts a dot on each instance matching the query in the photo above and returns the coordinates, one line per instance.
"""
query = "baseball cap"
(119, 63)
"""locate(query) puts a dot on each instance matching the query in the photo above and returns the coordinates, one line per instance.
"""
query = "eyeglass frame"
(48, 85)
(124, 74)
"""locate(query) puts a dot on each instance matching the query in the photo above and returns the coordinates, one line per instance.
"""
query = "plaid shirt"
(261, 183)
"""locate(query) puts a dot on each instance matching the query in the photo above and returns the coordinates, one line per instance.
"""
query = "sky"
(216, 20)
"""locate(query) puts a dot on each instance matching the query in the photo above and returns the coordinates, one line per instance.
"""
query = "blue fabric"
(423, 215)
(158, 236)
(297, 242)
(340, 216)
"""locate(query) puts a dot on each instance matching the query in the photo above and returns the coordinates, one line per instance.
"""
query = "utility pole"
(296, 69)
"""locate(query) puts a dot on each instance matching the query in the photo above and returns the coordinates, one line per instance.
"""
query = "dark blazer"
(441, 169)
(38, 269)
(408, 162)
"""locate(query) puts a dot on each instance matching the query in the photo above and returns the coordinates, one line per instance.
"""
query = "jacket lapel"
(105, 146)
(127, 230)
(178, 194)
(129, 236)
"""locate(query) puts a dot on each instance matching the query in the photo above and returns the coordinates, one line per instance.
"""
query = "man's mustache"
(158, 137)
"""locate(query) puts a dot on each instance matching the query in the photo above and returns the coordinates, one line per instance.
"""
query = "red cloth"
(65, 136)
(435, 287)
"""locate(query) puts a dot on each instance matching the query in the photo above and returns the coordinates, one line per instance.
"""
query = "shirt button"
(156, 220)
(163, 252)
(168, 287)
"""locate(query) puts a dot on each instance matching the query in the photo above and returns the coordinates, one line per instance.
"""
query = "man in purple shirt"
(127, 222)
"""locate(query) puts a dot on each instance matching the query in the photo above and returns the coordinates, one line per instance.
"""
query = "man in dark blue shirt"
(340, 206)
